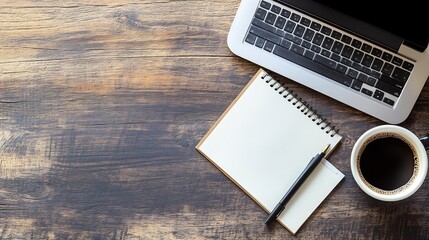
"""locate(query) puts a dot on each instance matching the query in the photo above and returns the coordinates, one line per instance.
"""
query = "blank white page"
(263, 142)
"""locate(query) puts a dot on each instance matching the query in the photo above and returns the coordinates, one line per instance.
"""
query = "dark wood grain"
(101, 106)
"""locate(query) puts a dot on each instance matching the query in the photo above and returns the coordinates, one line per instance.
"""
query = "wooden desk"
(101, 106)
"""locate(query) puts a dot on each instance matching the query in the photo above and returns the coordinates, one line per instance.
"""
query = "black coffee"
(387, 163)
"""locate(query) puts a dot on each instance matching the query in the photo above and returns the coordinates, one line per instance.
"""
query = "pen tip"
(326, 149)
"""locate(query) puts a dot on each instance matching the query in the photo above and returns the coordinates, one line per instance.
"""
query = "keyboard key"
(327, 43)
(264, 25)
(356, 43)
(308, 35)
(337, 47)
(387, 68)
(276, 9)
(305, 21)
(286, 44)
(290, 26)
(295, 17)
(266, 5)
(366, 70)
(251, 38)
(261, 13)
(285, 13)
(347, 51)
(337, 35)
(269, 46)
(357, 66)
(297, 49)
(367, 60)
(371, 81)
(341, 68)
(388, 101)
(280, 32)
(299, 30)
(325, 30)
(366, 91)
(352, 73)
(387, 56)
(280, 22)
(318, 38)
(400, 74)
(289, 36)
(309, 54)
(376, 52)
(297, 40)
(260, 42)
(315, 48)
(366, 48)
(408, 66)
(375, 74)
(306, 44)
(388, 88)
(325, 61)
(391, 81)
(397, 61)
(326, 53)
(271, 18)
(335, 57)
(378, 95)
(357, 85)
(346, 39)
(362, 77)
(316, 26)
(346, 62)
(377, 64)
(357, 56)
(265, 34)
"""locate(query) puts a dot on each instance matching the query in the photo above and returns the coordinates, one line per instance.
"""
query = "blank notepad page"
(263, 142)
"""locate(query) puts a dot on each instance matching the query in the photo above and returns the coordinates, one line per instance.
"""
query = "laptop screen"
(408, 20)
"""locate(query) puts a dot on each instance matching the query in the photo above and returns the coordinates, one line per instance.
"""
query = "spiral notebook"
(264, 140)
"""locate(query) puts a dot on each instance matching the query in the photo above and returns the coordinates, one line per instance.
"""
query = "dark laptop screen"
(408, 20)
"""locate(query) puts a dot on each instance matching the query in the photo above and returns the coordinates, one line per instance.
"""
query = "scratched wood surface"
(101, 106)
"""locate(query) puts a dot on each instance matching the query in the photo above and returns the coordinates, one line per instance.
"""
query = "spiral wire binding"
(301, 105)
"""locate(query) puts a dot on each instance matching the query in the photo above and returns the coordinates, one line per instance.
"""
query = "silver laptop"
(369, 55)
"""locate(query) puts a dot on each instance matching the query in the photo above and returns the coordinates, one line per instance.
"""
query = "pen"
(295, 186)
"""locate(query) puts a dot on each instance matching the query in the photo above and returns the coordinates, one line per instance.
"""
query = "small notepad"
(263, 142)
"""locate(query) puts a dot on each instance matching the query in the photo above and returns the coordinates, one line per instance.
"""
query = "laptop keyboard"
(323, 49)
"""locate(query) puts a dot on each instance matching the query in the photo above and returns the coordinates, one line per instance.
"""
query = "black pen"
(295, 186)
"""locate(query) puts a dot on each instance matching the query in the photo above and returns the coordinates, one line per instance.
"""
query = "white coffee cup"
(389, 162)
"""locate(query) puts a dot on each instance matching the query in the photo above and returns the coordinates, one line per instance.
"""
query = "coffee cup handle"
(425, 141)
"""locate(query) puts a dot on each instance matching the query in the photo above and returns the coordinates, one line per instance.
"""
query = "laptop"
(370, 55)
